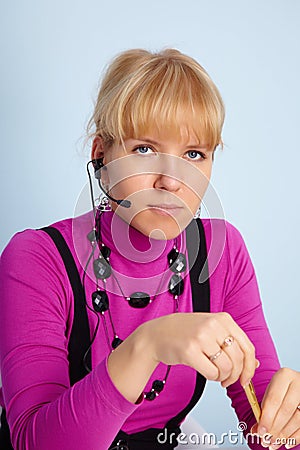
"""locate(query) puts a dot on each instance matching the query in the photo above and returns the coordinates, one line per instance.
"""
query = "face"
(164, 178)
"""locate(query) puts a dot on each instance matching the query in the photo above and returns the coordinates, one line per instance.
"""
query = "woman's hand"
(211, 343)
(280, 418)
(200, 340)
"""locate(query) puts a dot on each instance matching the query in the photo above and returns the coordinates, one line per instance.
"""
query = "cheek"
(197, 184)
(191, 201)
(209, 170)
(132, 185)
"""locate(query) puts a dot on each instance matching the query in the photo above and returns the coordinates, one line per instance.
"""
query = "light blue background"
(52, 55)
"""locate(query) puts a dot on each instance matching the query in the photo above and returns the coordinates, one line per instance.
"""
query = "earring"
(198, 213)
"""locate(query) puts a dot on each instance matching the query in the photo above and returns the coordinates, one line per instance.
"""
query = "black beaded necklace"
(103, 270)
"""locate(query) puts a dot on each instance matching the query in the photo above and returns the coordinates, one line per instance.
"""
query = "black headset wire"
(95, 244)
(91, 309)
(91, 187)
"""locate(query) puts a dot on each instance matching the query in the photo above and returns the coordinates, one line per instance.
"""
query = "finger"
(212, 351)
(293, 440)
(224, 364)
(203, 365)
(291, 430)
(215, 355)
(286, 412)
(271, 402)
(249, 360)
(265, 440)
(236, 355)
(245, 345)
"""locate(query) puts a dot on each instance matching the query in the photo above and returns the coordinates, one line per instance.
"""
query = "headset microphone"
(98, 164)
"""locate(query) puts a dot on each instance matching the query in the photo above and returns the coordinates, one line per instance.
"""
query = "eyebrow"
(192, 146)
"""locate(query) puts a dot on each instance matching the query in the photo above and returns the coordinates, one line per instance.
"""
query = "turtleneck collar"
(133, 245)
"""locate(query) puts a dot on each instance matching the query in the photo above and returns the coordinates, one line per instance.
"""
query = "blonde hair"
(167, 90)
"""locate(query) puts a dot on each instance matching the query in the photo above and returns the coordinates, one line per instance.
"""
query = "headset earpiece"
(97, 164)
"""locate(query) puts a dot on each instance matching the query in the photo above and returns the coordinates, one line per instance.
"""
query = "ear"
(98, 152)
(97, 148)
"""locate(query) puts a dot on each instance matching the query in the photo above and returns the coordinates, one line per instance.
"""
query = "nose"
(167, 182)
(168, 172)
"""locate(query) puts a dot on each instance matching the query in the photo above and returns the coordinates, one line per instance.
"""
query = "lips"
(166, 206)
(166, 209)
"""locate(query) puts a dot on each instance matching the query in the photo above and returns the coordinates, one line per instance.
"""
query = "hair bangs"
(174, 102)
(168, 92)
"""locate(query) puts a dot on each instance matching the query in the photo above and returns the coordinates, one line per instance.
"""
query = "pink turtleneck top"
(36, 303)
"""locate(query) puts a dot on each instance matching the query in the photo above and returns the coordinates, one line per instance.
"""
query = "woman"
(170, 301)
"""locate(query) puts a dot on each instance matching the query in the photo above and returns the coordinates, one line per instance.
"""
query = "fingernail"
(247, 382)
(262, 431)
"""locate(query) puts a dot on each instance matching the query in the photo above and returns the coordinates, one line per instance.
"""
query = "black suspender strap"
(5, 443)
(200, 290)
(80, 334)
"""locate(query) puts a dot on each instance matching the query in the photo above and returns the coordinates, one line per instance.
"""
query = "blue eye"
(142, 149)
(193, 155)
(196, 155)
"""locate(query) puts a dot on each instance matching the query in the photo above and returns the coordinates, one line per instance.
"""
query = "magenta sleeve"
(43, 411)
(243, 303)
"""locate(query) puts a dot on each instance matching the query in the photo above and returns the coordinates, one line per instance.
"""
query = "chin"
(164, 227)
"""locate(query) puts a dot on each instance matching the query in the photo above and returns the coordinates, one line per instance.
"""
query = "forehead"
(164, 139)
(183, 129)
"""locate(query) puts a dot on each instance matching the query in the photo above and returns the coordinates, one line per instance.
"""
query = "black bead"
(92, 236)
(100, 301)
(158, 385)
(105, 251)
(150, 395)
(122, 445)
(172, 255)
(179, 265)
(139, 300)
(102, 269)
(116, 342)
(176, 285)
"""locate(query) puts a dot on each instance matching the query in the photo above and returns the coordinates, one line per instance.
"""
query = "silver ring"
(215, 356)
(298, 407)
(228, 341)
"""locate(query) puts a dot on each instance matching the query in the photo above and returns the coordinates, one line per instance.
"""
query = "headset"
(98, 165)
(92, 237)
